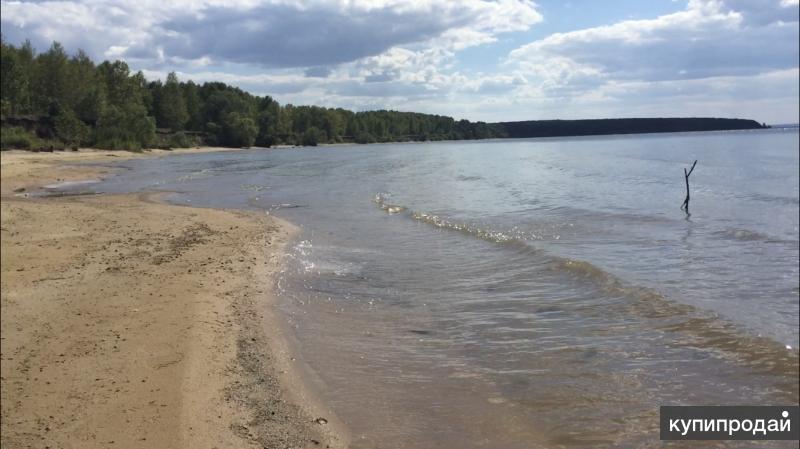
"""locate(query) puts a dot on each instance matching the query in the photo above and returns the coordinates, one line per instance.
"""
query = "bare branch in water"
(685, 205)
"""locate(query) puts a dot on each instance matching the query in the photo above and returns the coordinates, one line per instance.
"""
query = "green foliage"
(17, 138)
(115, 78)
(49, 79)
(269, 122)
(180, 140)
(125, 128)
(14, 81)
(312, 136)
(14, 137)
(238, 130)
(82, 88)
(170, 106)
(213, 133)
(193, 106)
(363, 137)
(90, 106)
(70, 129)
(105, 105)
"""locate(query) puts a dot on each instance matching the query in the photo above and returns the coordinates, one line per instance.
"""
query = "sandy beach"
(131, 323)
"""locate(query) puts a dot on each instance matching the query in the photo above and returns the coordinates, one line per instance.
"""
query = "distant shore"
(131, 323)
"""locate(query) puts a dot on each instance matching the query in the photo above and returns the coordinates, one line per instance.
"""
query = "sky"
(497, 60)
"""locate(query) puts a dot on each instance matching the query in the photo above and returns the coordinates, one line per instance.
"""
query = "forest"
(54, 100)
(557, 128)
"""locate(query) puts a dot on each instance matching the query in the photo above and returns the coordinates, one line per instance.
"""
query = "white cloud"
(709, 51)
(272, 33)
(714, 57)
(707, 39)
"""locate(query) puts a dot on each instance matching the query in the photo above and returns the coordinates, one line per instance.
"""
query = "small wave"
(783, 200)
(254, 187)
(286, 206)
(514, 236)
(301, 253)
(745, 235)
(381, 200)
(468, 178)
(476, 231)
(646, 302)
(583, 269)
(204, 173)
(310, 260)
(694, 327)
(697, 327)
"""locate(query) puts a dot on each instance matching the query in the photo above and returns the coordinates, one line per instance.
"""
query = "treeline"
(560, 128)
(58, 99)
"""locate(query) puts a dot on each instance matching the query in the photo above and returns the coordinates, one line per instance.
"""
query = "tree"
(268, 122)
(80, 78)
(170, 106)
(333, 124)
(239, 130)
(80, 102)
(125, 128)
(49, 79)
(141, 94)
(312, 136)
(118, 86)
(70, 129)
(91, 105)
(14, 81)
(194, 108)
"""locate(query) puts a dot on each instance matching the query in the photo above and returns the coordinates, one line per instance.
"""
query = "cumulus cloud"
(279, 35)
(100, 29)
(709, 58)
(707, 39)
(272, 33)
(771, 96)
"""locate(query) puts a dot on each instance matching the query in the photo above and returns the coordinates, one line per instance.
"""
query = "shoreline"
(124, 332)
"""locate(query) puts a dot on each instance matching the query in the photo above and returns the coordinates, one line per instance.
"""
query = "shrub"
(70, 129)
(312, 136)
(181, 140)
(239, 130)
(17, 138)
(48, 145)
(364, 138)
(127, 128)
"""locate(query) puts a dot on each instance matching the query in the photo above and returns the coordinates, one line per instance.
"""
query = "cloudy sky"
(480, 60)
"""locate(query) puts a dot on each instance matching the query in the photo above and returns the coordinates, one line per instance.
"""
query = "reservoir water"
(526, 293)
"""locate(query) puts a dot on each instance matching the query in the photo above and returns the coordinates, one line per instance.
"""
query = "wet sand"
(131, 323)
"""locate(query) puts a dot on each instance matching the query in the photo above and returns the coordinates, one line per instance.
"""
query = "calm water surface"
(526, 293)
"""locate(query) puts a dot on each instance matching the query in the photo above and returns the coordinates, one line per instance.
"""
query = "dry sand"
(133, 324)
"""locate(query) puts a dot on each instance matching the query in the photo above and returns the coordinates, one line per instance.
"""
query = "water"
(526, 293)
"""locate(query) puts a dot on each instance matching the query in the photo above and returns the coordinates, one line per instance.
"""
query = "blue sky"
(475, 59)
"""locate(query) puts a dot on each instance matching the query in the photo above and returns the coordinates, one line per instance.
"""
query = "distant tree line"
(559, 128)
(59, 100)
(71, 100)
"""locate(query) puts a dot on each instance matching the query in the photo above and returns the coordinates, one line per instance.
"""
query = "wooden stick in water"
(685, 205)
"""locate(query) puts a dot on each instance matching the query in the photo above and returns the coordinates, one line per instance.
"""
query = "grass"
(16, 138)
